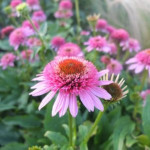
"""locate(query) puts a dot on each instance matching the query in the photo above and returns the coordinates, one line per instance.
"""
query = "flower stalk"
(77, 12)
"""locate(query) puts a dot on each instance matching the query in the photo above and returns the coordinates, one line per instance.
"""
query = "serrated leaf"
(146, 117)
(56, 138)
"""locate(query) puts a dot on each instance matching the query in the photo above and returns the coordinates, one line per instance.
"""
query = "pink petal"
(40, 84)
(97, 102)
(39, 91)
(132, 67)
(47, 99)
(101, 83)
(73, 107)
(139, 68)
(100, 93)
(58, 103)
(64, 106)
(103, 72)
(87, 101)
(131, 60)
(41, 78)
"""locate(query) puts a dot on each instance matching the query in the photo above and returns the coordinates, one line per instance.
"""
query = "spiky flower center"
(71, 66)
(114, 90)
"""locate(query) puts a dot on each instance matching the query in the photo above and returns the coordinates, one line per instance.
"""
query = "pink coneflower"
(33, 4)
(57, 41)
(7, 60)
(110, 29)
(85, 33)
(101, 25)
(105, 59)
(15, 3)
(7, 30)
(26, 24)
(120, 35)
(140, 61)
(144, 95)
(65, 5)
(69, 49)
(114, 67)
(33, 41)
(63, 14)
(113, 48)
(71, 77)
(39, 16)
(132, 45)
(98, 43)
(18, 37)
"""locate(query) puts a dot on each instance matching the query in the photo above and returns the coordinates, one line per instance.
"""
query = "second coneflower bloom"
(117, 89)
(71, 77)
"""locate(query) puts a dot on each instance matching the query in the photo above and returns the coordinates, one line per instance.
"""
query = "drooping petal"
(47, 99)
(101, 73)
(64, 106)
(73, 107)
(101, 93)
(86, 100)
(133, 66)
(131, 60)
(101, 83)
(139, 68)
(39, 91)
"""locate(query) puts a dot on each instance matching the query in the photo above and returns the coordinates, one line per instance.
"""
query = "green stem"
(74, 132)
(36, 30)
(144, 77)
(118, 53)
(70, 130)
(127, 54)
(98, 118)
(77, 12)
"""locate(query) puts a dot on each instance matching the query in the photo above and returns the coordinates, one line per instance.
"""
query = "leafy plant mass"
(70, 81)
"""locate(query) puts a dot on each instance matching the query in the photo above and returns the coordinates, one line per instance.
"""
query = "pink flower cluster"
(33, 4)
(64, 10)
(112, 65)
(7, 60)
(71, 77)
(6, 30)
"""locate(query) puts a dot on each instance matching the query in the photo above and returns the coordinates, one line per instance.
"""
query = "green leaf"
(43, 28)
(14, 146)
(4, 45)
(23, 100)
(143, 139)
(52, 147)
(146, 117)
(130, 141)
(65, 126)
(56, 138)
(123, 127)
(83, 146)
(4, 107)
(25, 121)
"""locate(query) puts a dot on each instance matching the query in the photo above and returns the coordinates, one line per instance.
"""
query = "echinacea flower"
(57, 41)
(98, 43)
(65, 5)
(105, 59)
(110, 29)
(39, 16)
(115, 89)
(144, 95)
(132, 45)
(120, 35)
(33, 4)
(71, 77)
(85, 33)
(101, 25)
(114, 67)
(113, 48)
(63, 14)
(7, 30)
(7, 60)
(18, 37)
(140, 61)
(33, 42)
(15, 3)
(69, 49)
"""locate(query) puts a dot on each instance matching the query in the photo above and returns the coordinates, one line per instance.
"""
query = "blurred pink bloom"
(15, 3)
(69, 49)
(63, 14)
(110, 29)
(26, 24)
(144, 95)
(114, 67)
(85, 33)
(18, 37)
(140, 61)
(26, 54)
(131, 45)
(7, 30)
(7, 60)
(98, 43)
(120, 35)
(101, 25)
(113, 48)
(33, 41)
(65, 5)
(57, 41)
(39, 16)
(105, 59)
(71, 77)
(33, 4)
